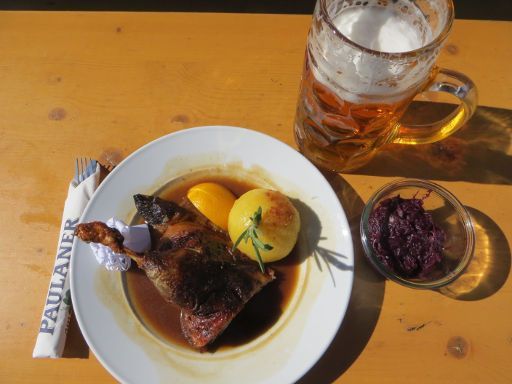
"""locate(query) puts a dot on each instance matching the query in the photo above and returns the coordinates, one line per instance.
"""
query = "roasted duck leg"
(193, 267)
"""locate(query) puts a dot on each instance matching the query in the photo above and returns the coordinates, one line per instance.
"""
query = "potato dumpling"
(279, 226)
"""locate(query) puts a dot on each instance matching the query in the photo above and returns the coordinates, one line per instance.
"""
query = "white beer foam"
(379, 28)
(358, 76)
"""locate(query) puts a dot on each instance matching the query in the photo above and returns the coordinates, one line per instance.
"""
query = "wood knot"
(180, 119)
(452, 49)
(57, 114)
(55, 79)
(457, 347)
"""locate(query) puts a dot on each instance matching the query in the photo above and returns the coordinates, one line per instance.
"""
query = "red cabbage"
(405, 238)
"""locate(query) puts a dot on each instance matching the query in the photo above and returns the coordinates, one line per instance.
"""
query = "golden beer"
(365, 62)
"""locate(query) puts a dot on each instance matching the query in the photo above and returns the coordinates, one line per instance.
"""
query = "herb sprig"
(252, 233)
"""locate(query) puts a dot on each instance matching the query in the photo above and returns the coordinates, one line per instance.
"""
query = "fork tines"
(84, 168)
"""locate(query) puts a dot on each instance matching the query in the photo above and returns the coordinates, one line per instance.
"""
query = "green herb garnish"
(251, 233)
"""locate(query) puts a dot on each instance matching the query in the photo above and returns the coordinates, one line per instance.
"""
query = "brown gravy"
(262, 311)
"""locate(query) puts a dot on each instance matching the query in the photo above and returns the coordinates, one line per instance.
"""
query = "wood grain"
(103, 84)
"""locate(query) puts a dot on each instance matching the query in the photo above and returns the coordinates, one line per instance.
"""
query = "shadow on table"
(489, 269)
(76, 346)
(309, 239)
(365, 301)
(479, 152)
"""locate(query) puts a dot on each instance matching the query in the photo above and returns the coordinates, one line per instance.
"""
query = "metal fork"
(84, 168)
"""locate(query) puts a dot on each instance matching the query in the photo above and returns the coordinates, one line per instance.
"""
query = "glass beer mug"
(365, 62)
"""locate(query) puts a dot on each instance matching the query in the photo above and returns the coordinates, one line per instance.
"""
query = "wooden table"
(103, 84)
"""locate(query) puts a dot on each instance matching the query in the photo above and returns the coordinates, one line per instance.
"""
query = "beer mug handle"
(458, 85)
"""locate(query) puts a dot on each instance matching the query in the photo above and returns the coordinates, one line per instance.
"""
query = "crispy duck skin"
(192, 266)
(159, 214)
(157, 211)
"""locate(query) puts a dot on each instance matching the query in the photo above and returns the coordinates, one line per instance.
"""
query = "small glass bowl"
(447, 213)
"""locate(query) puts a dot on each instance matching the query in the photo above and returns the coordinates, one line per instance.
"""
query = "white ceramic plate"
(299, 338)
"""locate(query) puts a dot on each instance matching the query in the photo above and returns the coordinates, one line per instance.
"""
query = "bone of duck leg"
(101, 233)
